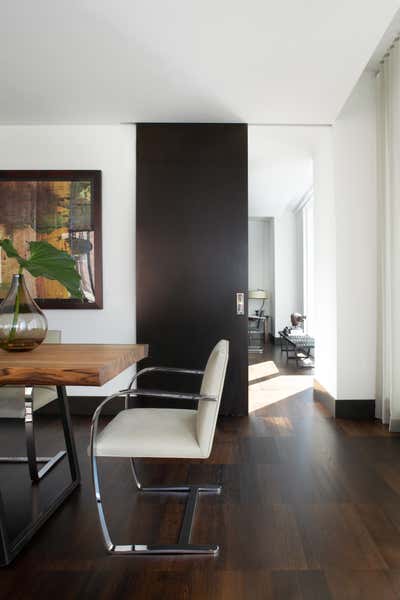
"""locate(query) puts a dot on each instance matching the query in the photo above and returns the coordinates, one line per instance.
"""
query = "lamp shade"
(258, 295)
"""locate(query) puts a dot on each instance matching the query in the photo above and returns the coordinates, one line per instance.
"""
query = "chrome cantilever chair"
(163, 433)
(21, 403)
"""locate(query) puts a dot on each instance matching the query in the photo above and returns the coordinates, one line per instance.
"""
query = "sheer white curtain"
(388, 364)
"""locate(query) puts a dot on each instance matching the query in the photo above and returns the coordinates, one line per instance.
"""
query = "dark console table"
(257, 333)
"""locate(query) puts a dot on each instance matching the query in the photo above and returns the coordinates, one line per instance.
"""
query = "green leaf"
(11, 252)
(47, 261)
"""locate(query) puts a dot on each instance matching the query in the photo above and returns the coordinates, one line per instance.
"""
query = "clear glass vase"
(23, 326)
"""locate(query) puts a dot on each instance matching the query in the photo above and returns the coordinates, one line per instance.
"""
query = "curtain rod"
(387, 53)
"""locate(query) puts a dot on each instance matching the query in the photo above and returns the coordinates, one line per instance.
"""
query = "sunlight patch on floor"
(279, 425)
(263, 369)
(276, 389)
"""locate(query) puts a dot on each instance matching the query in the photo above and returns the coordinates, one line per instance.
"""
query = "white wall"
(287, 298)
(307, 288)
(112, 150)
(300, 260)
(261, 263)
(344, 222)
(280, 169)
(345, 210)
(325, 322)
(354, 137)
(274, 266)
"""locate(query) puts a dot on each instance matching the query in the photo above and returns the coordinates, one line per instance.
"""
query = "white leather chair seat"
(150, 433)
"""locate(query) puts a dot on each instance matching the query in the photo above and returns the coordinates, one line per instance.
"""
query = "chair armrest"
(120, 394)
(176, 395)
(164, 370)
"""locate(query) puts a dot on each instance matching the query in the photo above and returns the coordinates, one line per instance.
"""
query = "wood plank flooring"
(310, 510)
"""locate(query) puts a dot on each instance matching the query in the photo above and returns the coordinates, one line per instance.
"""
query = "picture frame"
(62, 207)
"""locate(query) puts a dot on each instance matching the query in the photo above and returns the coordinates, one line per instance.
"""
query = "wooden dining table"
(58, 365)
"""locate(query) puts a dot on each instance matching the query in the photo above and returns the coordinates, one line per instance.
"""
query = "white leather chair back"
(212, 385)
(12, 397)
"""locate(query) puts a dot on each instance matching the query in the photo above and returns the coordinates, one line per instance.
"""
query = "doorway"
(281, 272)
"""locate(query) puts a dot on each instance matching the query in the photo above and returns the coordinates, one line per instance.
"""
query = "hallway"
(272, 377)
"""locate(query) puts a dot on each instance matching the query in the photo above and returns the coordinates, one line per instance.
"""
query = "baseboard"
(394, 425)
(355, 409)
(86, 405)
(344, 409)
(341, 409)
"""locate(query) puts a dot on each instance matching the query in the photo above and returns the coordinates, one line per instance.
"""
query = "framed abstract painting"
(64, 209)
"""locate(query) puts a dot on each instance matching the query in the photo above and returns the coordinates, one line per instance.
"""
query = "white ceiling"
(255, 61)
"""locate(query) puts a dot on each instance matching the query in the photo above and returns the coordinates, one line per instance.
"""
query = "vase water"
(23, 326)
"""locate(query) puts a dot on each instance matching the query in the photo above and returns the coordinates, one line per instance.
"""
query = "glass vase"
(23, 326)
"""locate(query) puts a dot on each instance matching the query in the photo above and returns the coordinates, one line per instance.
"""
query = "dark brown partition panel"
(192, 248)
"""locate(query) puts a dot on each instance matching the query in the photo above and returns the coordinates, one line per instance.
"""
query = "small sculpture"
(297, 320)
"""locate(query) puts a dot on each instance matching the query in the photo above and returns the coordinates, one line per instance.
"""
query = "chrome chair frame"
(183, 546)
(31, 459)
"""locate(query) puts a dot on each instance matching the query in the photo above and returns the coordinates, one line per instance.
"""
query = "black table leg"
(4, 540)
(10, 548)
(68, 433)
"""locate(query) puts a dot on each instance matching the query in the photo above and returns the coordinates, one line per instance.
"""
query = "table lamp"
(259, 295)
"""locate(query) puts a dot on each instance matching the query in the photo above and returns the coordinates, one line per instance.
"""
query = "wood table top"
(69, 364)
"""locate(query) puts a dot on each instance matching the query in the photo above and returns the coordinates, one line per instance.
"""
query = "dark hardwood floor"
(310, 510)
(272, 352)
